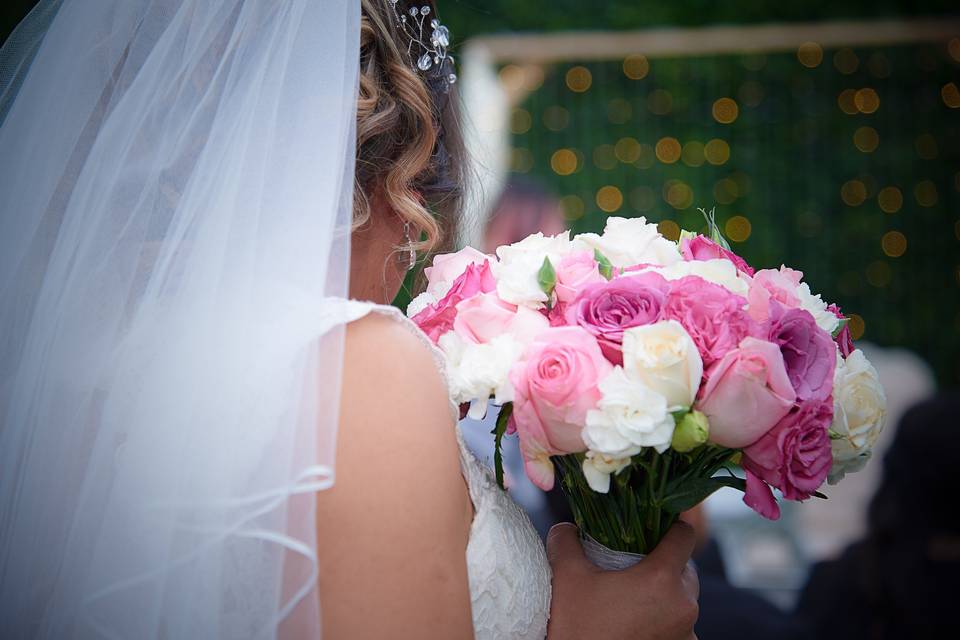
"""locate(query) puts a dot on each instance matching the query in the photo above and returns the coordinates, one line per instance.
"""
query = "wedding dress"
(506, 562)
(176, 181)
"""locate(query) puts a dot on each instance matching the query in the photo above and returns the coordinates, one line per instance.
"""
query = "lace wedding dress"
(506, 562)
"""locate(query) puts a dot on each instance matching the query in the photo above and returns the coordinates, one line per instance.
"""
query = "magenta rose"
(746, 393)
(574, 272)
(713, 316)
(794, 457)
(773, 284)
(555, 384)
(606, 309)
(703, 248)
(438, 318)
(844, 339)
(808, 351)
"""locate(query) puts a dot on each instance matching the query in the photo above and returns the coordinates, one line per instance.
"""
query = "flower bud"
(691, 432)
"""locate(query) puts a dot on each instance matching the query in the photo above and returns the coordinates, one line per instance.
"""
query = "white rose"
(859, 409)
(520, 264)
(597, 469)
(817, 308)
(664, 358)
(718, 271)
(629, 416)
(478, 371)
(630, 241)
(420, 303)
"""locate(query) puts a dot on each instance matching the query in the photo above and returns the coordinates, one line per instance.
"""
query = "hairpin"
(435, 54)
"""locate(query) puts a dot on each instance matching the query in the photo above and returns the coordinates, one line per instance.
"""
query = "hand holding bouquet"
(645, 371)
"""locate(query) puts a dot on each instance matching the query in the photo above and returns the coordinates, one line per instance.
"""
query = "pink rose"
(712, 315)
(448, 267)
(606, 309)
(703, 248)
(794, 457)
(438, 318)
(555, 383)
(574, 272)
(808, 351)
(484, 316)
(773, 284)
(746, 393)
(844, 339)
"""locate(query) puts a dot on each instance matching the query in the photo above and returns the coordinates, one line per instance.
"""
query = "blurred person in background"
(900, 579)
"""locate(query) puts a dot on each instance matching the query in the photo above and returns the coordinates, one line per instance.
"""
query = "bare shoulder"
(397, 520)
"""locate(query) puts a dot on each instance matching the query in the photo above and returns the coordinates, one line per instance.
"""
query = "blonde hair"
(409, 148)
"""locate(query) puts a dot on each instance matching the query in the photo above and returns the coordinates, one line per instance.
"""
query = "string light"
(669, 230)
(847, 102)
(866, 139)
(867, 100)
(572, 206)
(738, 228)
(846, 61)
(890, 199)
(520, 121)
(725, 110)
(692, 154)
(951, 95)
(678, 194)
(925, 193)
(853, 193)
(857, 326)
(627, 150)
(894, 244)
(716, 151)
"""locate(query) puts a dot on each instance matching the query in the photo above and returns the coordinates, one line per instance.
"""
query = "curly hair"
(409, 146)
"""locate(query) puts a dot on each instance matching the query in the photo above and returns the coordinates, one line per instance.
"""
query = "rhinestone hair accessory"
(432, 39)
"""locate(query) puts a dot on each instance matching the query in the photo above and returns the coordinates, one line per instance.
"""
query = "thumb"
(563, 546)
(675, 549)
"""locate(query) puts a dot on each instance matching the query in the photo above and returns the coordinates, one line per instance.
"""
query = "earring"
(412, 255)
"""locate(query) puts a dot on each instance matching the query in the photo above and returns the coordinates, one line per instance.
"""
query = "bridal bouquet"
(647, 371)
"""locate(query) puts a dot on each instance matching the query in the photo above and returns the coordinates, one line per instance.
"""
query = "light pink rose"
(439, 317)
(794, 456)
(713, 316)
(703, 248)
(485, 316)
(574, 272)
(746, 393)
(773, 284)
(447, 267)
(555, 383)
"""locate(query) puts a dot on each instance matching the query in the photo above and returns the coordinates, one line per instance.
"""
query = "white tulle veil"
(175, 204)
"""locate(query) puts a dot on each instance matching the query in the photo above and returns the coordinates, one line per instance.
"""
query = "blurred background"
(826, 133)
(827, 137)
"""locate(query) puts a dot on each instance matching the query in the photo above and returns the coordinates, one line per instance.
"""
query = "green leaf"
(843, 322)
(498, 431)
(817, 494)
(606, 269)
(547, 277)
(692, 492)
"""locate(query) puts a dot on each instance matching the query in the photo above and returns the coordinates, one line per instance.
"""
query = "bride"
(210, 425)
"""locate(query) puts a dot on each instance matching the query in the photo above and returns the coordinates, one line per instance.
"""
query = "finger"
(676, 547)
(563, 545)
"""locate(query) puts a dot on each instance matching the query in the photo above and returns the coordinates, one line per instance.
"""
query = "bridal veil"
(175, 206)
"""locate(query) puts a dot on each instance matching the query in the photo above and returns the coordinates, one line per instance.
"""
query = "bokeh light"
(866, 139)
(521, 160)
(512, 77)
(579, 79)
(563, 162)
(604, 157)
(556, 118)
(857, 326)
(853, 193)
(669, 229)
(692, 154)
(738, 228)
(572, 206)
(951, 95)
(894, 244)
(847, 102)
(636, 67)
(725, 191)
(678, 194)
(879, 274)
(725, 110)
(627, 150)
(668, 150)
(810, 54)
(609, 198)
(520, 121)
(890, 199)
(867, 100)
(716, 151)
(846, 61)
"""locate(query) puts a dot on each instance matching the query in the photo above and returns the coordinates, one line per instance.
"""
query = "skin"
(396, 523)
